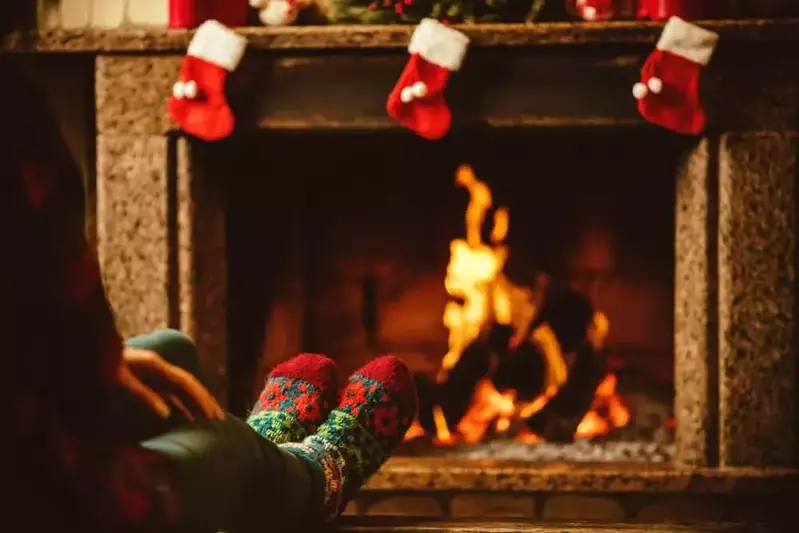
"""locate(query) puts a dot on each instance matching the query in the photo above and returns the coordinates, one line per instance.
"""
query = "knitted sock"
(375, 411)
(298, 396)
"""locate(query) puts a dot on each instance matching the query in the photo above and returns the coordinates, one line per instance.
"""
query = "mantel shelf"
(309, 38)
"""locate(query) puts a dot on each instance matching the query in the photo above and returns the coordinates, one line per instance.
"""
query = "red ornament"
(399, 8)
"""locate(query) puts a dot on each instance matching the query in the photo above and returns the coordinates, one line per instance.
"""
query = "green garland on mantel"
(450, 11)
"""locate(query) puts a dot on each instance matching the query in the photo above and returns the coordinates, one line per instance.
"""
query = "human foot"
(375, 411)
(298, 396)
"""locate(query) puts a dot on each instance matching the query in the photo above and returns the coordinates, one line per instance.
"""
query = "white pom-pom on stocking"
(411, 93)
(278, 13)
(655, 85)
(640, 91)
(589, 14)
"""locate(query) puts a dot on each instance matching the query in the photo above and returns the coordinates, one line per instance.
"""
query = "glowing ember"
(483, 295)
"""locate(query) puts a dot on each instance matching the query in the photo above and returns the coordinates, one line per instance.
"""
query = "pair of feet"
(349, 436)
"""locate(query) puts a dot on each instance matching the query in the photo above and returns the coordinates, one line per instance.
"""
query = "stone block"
(576, 507)
(757, 299)
(492, 506)
(132, 229)
(694, 307)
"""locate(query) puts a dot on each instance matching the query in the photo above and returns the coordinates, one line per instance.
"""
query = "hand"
(171, 381)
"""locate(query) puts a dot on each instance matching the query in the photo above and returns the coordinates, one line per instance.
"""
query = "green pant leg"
(232, 479)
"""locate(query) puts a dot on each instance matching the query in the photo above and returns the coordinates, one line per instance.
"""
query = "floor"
(404, 525)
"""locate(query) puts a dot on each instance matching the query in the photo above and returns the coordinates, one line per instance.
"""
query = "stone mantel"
(310, 38)
(161, 207)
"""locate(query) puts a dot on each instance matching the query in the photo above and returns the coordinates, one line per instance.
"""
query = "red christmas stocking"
(668, 93)
(417, 101)
(198, 103)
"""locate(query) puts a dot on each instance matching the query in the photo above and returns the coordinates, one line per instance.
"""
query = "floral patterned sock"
(298, 396)
(375, 411)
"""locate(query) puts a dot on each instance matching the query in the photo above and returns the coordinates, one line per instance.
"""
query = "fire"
(482, 294)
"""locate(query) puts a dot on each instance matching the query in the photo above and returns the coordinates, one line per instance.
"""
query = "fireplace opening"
(525, 276)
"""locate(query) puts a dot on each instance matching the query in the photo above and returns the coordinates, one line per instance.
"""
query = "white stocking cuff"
(439, 44)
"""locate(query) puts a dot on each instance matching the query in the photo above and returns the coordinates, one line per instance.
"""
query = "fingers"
(144, 393)
(190, 387)
(180, 406)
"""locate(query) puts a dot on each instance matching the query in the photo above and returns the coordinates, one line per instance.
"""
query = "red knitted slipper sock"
(298, 396)
(375, 411)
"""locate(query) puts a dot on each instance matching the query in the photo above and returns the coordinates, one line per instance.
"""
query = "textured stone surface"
(695, 308)
(580, 451)
(315, 37)
(442, 475)
(132, 229)
(202, 262)
(757, 298)
(492, 506)
(131, 93)
(570, 507)
(765, 98)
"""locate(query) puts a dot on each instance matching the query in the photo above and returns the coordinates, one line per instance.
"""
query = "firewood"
(455, 394)
(521, 369)
(557, 421)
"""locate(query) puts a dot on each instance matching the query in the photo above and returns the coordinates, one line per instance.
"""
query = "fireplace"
(322, 226)
(359, 249)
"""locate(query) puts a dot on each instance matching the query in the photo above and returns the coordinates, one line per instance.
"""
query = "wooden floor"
(405, 525)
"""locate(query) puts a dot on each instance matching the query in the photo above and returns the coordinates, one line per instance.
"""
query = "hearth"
(602, 207)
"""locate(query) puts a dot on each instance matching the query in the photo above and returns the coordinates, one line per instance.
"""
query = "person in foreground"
(120, 436)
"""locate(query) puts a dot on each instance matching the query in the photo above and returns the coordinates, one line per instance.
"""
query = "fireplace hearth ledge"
(447, 489)
(441, 475)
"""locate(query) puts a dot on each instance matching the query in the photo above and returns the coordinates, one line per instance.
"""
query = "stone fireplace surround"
(161, 233)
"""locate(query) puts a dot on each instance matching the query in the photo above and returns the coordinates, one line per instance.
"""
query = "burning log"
(579, 331)
(569, 315)
(559, 419)
(522, 369)
(455, 394)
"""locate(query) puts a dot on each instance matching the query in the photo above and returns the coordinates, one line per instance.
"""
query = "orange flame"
(475, 278)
